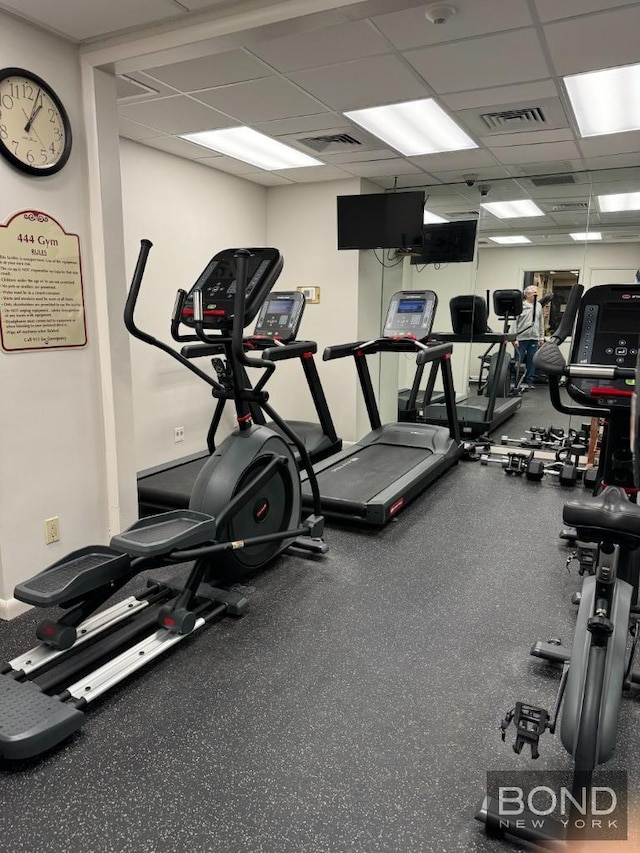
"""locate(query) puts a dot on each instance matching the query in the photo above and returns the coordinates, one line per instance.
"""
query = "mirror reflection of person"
(529, 333)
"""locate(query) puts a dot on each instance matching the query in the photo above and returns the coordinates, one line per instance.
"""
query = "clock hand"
(36, 109)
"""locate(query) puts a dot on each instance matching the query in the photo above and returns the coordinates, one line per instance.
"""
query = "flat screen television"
(447, 243)
(380, 220)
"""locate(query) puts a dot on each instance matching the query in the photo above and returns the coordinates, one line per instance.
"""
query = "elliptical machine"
(245, 510)
(599, 664)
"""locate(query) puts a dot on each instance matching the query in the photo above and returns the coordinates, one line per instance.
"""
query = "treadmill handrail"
(488, 338)
(434, 352)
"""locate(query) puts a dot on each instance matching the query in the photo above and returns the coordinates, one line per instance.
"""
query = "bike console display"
(607, 333)
(280, 315)
(218, 285)
(411, 314)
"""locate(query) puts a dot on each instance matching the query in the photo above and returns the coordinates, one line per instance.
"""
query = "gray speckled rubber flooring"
(356, 706)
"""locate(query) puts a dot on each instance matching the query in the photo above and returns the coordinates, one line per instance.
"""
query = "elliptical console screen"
(607, 333)
(218, 285)
(280, 316)
(411, 314)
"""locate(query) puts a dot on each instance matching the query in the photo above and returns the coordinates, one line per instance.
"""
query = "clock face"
(35, 134)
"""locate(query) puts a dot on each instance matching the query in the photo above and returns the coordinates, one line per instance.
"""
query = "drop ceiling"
(496, 66)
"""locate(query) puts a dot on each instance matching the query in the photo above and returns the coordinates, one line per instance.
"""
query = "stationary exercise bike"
(603, 377)
(245, 510)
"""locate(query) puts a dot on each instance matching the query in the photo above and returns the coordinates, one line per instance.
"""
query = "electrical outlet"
(51, 530)
(178, 434)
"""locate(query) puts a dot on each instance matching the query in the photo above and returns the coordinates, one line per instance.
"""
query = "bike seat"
(610, 515)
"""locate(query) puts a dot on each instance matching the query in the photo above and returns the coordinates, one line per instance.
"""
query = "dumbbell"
(567, 473)
(513, 463)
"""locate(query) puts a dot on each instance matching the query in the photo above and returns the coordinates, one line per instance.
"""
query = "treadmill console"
(218, 285)
(607, 332)
(280, 315)
(411, 314)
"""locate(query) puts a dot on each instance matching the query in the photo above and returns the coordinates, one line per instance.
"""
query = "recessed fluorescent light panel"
(432, 218)
(619, 201)
(586, 235)
(509, 241)
(248, 145)
(512, 209)
(414, 127)
(606, 101)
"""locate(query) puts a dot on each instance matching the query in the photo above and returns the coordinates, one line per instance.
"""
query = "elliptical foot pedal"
(235, 602)
(77, 574)
(161, 534)
(33, 722)
(530, 723)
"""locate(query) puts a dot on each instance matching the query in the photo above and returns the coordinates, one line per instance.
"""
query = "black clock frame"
(39, 171)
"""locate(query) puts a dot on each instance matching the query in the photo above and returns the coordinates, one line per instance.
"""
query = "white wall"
(189, 212)
(51, 448)
(302, 223)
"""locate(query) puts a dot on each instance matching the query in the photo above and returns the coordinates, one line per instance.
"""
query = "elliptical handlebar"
(548, 358)
(136, 332)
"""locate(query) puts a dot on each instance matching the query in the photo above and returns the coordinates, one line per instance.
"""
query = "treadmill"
(169, 486)
(482, 413)
(371, 481)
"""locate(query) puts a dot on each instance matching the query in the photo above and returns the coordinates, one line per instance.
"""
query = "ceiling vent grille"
(333, 142)
(553, 180)
(523, 118)
(569, 206)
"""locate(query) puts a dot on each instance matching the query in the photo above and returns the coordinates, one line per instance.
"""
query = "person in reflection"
(529, 332)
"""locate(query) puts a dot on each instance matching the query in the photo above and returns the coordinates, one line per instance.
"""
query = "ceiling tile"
(536, 153)
(157, 88)
(482, 63)
(180, 147)
(133, 130)
(88, 20)
(501, 95)
(486, 173)
(219, 69)
(468, 160)
(534, 136)
(178, 114)
(615, 161)
(411, 28)
(300, 124)
(359, 156)
(260, 100)
(578, 44)
(389, 166)
(320, 46)
(613, 143)
(554, 10)
(267, 179)
(313, 173)
(228, 164)
(362, 83)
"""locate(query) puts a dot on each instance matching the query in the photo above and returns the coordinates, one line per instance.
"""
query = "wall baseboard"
(11, 607)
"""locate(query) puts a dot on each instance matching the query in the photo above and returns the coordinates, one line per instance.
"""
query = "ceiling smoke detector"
(439, 13)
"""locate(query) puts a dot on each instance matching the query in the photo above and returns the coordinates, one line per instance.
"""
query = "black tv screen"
(447, 242)
(380, 220)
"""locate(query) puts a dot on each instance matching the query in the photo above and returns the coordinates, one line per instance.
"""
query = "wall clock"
(35, 133)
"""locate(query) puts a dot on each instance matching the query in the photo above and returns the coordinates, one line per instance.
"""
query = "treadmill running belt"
(368, 471)
(172, 487)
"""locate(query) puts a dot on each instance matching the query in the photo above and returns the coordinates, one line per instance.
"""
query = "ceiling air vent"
(553, 180)
(522, 118)
(570, 206)
(331, 143)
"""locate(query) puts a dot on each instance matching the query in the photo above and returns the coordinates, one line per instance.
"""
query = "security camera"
(484, 189)
(439, 13)
(470, 180)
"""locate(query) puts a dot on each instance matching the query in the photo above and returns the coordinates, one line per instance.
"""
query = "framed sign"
(41, 292)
